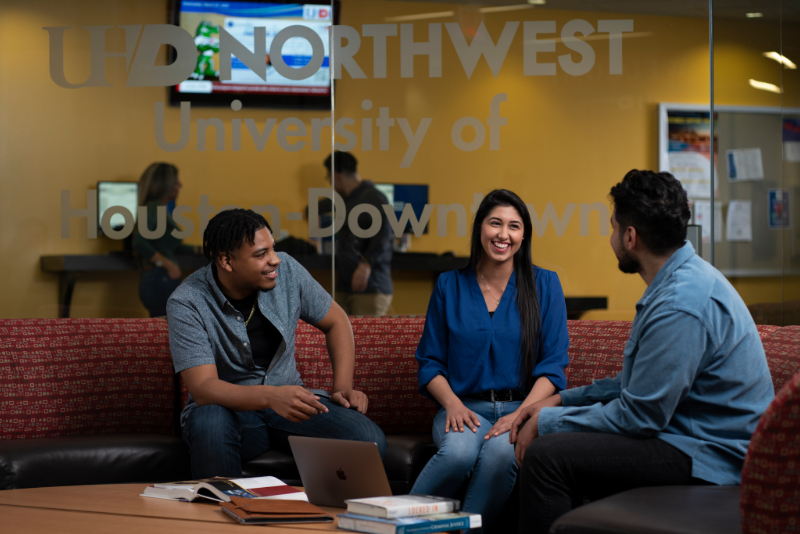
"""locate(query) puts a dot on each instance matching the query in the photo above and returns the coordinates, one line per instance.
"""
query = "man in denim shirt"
(232, 336)
(693, 385)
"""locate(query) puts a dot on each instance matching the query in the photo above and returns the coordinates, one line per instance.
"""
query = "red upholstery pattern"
(770, 495)
(595, 350)
(782, 346)
(65, 377)
(385, 370)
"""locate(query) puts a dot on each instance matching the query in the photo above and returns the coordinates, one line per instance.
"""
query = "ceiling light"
(753, 15)
(537, 2)
(499, 9)
(764, 86)
(783, 60)
(421, 16)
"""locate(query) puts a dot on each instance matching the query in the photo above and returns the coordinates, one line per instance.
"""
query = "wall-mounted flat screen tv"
(205, 19)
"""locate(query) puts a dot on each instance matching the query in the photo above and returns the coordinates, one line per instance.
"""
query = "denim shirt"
(204, 328)
(694, 373)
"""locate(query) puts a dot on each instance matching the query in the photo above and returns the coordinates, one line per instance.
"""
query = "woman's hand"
(458, 415)
(502, 426)
(173, 271)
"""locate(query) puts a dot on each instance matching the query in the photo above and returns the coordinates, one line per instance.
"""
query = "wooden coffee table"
(119, 509)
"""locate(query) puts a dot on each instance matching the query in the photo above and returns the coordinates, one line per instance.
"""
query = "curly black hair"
(654, 203)
(228, 229)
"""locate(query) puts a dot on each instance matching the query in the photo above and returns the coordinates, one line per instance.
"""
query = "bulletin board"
(757, 182)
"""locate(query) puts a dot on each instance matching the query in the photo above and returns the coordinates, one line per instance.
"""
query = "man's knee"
(544, 454)
(209, 422)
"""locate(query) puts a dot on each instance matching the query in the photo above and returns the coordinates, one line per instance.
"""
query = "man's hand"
(458, 415)
(294, 403)
(361, 277)
(351, 398)
(523, 438)
(502, 426)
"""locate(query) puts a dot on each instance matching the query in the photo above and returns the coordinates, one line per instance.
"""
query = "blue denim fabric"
(694, 373)
(489, 465)
(220, 439)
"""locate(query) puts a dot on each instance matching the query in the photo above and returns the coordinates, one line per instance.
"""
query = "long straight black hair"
(527, 298)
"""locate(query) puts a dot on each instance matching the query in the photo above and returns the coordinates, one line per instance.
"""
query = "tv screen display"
(204, 19)
(125, 194)
(399, 195)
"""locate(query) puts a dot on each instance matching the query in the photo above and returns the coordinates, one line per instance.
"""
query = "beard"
(628, 264)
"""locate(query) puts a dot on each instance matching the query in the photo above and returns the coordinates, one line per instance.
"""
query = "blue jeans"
(220, 439)
(489, 465)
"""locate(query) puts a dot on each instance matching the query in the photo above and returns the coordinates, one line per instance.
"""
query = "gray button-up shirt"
(204, 328)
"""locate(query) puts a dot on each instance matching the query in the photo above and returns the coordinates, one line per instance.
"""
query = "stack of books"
(406, 514)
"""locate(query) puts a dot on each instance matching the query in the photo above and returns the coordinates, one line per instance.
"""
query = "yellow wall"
(568, 140)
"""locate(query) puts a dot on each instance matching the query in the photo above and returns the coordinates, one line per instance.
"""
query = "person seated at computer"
(160, 272)
(232, 337)
(363, 264)
(495, 341)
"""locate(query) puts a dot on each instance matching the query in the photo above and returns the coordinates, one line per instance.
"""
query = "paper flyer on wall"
(791, 140)
(688, 151)
(745, 164)
(702, 216)
(779, 210)
(739, 224)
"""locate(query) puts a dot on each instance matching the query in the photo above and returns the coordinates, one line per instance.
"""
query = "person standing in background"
(364, 281)
(160, 272)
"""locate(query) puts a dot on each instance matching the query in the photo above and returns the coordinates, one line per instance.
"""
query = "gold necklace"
(251, 312)
(489, 290)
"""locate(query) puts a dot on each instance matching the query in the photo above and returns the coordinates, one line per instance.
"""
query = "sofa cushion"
(385, 369)
(782, 346)
(67, 377)
(595, 350)
(661, 510)
(771, 474)
(99, 459)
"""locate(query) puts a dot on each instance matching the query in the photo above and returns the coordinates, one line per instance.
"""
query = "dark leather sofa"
(95, 401)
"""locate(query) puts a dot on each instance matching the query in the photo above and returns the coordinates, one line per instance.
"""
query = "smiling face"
(254, 266)
(502, 233)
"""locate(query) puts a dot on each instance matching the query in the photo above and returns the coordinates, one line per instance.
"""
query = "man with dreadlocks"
(232, 337)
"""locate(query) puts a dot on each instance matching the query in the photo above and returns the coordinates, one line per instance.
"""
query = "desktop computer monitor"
(125, 194)
(399, 195)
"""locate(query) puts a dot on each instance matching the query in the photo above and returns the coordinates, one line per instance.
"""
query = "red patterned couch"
(90, 401)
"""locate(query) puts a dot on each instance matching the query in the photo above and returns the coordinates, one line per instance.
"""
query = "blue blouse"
(476, 352)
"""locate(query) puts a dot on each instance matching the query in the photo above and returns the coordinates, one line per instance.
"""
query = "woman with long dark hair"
(495, 340)
(160, 272)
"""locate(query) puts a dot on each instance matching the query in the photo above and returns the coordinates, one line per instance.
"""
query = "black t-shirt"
(264, 337)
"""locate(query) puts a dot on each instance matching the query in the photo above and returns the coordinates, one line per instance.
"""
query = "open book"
(222, 489)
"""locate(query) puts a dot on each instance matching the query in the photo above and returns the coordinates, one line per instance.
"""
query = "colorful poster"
(688, 151)
(779, 212)
(791, 140)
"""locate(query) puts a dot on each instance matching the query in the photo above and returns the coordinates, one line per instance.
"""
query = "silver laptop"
(333, 470)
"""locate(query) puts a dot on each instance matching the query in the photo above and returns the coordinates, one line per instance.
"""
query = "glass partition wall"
(438, 102)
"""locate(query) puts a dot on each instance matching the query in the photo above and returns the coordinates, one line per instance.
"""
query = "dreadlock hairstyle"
(228, 229)
(527, 298)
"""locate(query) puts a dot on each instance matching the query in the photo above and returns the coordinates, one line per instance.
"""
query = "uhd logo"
(142, 45)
